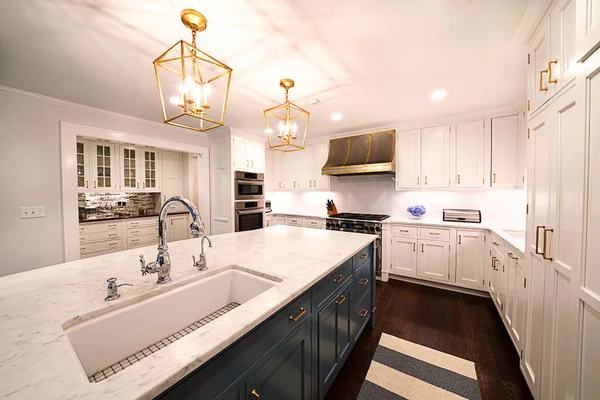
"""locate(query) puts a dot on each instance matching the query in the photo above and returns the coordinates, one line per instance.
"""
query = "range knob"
(377, 229)
(328, 225)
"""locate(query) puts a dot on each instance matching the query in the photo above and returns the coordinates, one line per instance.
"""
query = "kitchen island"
(316, 281)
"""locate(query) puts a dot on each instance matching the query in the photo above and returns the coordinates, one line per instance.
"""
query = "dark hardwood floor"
(462, 325)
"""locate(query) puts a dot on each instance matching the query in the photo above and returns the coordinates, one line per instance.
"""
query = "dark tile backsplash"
(117, 205)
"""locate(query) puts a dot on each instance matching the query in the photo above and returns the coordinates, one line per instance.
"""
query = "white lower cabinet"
(470, 249)
(404, 256)
(434, 260)
(178, 227)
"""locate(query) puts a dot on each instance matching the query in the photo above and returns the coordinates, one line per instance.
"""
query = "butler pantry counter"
(277, 309)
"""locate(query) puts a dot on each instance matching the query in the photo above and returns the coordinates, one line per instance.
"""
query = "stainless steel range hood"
(371, 153)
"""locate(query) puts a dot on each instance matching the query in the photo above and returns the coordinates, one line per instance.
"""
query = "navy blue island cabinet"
(298, 352)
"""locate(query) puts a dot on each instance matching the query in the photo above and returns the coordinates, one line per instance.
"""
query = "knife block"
(333, 211)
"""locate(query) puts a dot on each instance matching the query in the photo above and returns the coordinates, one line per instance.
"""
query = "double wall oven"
(249, 201)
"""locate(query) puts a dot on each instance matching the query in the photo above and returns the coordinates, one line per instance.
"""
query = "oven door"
(249, 190)
(248, 220)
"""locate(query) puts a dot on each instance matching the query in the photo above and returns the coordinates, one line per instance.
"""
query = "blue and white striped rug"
(405, 370)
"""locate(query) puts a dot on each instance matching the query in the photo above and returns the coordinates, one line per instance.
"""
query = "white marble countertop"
(37, 360)
(321, 216)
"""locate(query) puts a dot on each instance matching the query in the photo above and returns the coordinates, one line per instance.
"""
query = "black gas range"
(359, 223)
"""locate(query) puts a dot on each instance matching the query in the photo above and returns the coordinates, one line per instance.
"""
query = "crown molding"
(532, 19)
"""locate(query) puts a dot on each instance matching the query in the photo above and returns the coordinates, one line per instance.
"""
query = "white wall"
(30, 170)
(376, 194)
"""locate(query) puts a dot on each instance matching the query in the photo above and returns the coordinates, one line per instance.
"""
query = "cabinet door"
(83, 164)
(408, 160)
(501, 280)
(588, 26)
(240, 158)
(434, 260)
(519, 307)
(505, 150)
(404, 256)
(130, 157)
(537, 72)
(103, 166)
(255, 153)
(306, 166)
(563, 51)
(470, 258)
(289, 170)
(178, 227)
(270, 185)
(277, 168)
(321, 182)
(435, 155)
(469, 155)
(511, 291)
(491, 273)
(287, 374)
(522, 151)
(151, 168)
(344, 313)
(172, 175)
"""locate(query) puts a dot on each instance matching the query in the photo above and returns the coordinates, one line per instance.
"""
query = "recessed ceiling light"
(336, 116)
(438, 94)
(313, 102)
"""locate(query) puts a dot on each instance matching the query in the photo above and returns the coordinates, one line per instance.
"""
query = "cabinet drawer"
(363, 256)
(109, 245)
(497, 244)
(100, 227)
(294, 221)
(142, 240)
(362, 281)
(142, 231)
(136, 223)
(99, 236)
(360, 315)
(404, 230)
(434, 233)
(312, 223)
(327, 286)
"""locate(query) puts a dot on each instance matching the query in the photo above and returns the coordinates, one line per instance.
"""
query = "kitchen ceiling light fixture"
(195, 83)
(336, 117)
(438, 94)
(289, 121)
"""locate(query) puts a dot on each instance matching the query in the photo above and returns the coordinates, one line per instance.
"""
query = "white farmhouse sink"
(113, 337)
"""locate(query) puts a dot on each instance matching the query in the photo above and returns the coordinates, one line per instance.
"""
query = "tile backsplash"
(117, 205)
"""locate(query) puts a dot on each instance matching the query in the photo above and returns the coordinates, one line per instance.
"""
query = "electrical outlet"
(33, 212)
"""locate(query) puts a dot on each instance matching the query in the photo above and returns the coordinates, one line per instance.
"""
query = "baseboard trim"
(441, 286)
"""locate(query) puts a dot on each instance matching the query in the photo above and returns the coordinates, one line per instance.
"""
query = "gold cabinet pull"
(494, 259)
(364, 281)
(537, 238)
(418, 180)
(458, 177)
(426, 179)
(363, 256)
(341, 301)
(546, 230)
(338, 280)
(294, 183)
(459, 239)
(512, 256)
(138, 185)
(315, 183)
(94, 184)
(86, 184)
(279, 185)
(404, 230)
(494, 176)
(297, 317)
(550, 80)
(364, 313)
(422, 248)
(414, 246)
(309, 183)
(542, 88)
(255, 393)
(252, 163)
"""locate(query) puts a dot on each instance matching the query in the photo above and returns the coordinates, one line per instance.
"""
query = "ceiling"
(376, 62)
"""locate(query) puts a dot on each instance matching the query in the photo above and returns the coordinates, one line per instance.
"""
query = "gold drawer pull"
(338, 280)
(112, 234)
(434, 233)
(550, 80)
(404, 230)
(364, 313)
(255, 393)
(297, 317)
(363, 256)
(364, 281)
(339, 302)
(542, 88)
(544, 255)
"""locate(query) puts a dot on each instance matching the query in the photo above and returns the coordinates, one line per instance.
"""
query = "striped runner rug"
(405, 370)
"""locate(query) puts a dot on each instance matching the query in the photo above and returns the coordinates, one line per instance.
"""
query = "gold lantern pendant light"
(195, 84)
(286, 124)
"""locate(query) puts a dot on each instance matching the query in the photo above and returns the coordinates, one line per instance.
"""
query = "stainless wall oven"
(249, 215)
(249, 186)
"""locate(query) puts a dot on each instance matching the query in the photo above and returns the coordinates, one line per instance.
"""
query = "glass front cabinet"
(104, 166)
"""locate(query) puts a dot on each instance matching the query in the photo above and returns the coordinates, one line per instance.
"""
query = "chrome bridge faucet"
(162, 265)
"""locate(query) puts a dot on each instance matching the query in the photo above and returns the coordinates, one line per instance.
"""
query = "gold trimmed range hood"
(371, 153)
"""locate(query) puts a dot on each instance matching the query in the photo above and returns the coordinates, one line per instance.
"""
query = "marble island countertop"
(36, 357)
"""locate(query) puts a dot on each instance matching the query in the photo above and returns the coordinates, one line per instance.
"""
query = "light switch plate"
(33, 212)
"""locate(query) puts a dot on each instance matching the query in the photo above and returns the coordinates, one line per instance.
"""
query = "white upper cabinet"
(563, 55)
(289, 170)
(83, 165)
(248, 155)
(470, 155)
(140, 169)
(306, 168)
(539, 57)
(505, 150)
(522, 149)
(103, 167)
(130, 178)
(172, 177)
(588, 26)
(321, 182)
(435, 157)
(151, 168)
(408, 159)
(277, 170)
(470, 252)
